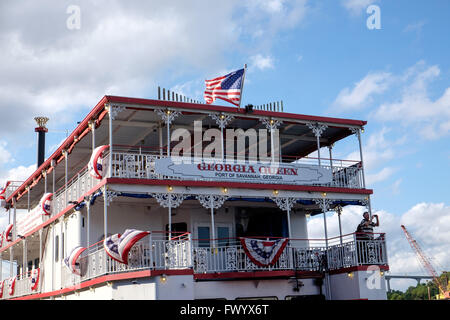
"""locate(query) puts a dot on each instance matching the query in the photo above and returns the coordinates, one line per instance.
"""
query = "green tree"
(420, 292)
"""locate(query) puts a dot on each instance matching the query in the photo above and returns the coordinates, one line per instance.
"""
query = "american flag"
(227, 88)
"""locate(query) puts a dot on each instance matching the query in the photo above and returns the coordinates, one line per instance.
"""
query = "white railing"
(146, 254)
(296, 256)
(155, 252)
(79, 185)
(141, 165)
(22, 286)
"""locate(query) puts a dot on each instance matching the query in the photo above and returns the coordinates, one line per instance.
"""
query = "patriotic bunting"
(98, 163)
(34, 278)
(8, 233)
(45, 204)
(262, 252)
(2, 193)
(11, 285)
(118, 246)
(72, 262)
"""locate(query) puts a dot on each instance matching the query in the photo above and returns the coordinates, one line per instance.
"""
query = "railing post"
(191, 252)
(356, 256)
(150, 249)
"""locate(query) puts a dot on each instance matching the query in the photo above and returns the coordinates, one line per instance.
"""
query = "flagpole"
(242, 86)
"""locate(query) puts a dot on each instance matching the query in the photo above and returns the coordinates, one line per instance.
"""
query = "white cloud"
(429, 224)
(381, 175)
(261, 62)
(415, 108)
(361, 95)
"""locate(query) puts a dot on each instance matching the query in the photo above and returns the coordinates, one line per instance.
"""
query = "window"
(203, 236)
(56, 248)
(177, 229)
(62, 245)
(223, 235)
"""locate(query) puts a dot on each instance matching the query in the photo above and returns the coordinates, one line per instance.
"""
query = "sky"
(385, 62)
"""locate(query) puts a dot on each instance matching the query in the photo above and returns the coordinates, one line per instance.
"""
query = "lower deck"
(194, 234)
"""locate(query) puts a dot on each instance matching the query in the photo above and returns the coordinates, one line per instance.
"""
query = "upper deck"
(141, 131)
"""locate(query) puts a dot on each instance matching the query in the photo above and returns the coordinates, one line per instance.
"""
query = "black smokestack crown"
(41, 131)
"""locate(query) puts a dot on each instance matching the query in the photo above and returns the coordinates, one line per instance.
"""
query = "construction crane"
(443, 289)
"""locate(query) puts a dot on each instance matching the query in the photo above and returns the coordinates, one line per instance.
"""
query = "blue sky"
(319, 57)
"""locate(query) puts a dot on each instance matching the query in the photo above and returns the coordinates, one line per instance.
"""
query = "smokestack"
(41, 131)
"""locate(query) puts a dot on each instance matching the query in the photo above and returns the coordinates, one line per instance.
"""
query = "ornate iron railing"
(156, 252)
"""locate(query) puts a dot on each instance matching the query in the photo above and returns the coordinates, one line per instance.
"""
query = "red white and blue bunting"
(97, 163)
(46, 203)
(72, 261)
(118, 246)
(11, 285)
(35, 278)
(8, 233)
(263, 252)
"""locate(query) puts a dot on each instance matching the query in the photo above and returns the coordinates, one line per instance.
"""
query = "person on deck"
(365, 228)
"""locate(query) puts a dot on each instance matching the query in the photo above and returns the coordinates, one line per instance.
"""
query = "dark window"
(203, 236)
(177, 229)
(56, 248)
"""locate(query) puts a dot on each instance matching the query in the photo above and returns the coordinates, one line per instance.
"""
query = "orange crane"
(443, 289)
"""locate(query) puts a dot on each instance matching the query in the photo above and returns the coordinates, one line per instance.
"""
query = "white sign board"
(31, 220)
(239, 171)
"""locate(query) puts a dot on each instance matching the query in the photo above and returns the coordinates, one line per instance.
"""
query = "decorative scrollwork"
(167, 115)
(271, 124)
(231, 258)
(354, 130)
(110, 195)
(201, 255)
(114, 111)
(211, 201)
(324, 204)
(222, 120)
(317, 128)
(166, 200)
(284, 203)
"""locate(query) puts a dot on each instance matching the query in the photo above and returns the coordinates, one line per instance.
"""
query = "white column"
(160, 140)
(325, 228)
(317, 129)
(11, 267)
(92, 126)
(213, 225)
(168, 133)
(66, 155)
(288, 214)
(40, 248)
(358, 133)
(28, 198)
(24, 257)
(53, 177)
(44, 173)
(339, 211)
(88, 222)
(331, 158)
(105, 212)
(110, 173)
(169, 229)
(14, 237)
